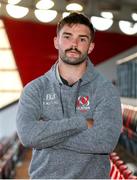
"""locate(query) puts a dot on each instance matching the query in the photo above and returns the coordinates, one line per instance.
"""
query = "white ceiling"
(121, 9)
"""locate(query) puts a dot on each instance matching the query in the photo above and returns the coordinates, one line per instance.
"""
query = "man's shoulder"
(44, 77)
(38, 83)
(105, 85)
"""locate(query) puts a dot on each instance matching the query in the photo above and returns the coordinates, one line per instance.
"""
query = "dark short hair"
(76, 18)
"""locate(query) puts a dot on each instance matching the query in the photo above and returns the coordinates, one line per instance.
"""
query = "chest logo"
(83, 103)
(50, 99)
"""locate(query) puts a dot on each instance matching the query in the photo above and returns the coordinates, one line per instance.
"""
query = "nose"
(74, 42)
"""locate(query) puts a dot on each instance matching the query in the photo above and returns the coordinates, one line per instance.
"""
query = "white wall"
(108, 68)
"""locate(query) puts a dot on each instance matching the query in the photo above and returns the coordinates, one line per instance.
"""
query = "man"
(70, 116)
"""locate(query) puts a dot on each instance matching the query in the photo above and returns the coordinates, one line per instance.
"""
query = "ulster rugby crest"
(83, 103)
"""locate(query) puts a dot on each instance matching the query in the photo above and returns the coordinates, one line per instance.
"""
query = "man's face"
(74, 43)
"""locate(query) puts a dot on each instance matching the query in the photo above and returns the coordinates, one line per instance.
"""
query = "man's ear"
(91, 47)
(56, 42)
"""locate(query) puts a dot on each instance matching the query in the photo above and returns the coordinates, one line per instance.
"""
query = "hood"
(89, 75)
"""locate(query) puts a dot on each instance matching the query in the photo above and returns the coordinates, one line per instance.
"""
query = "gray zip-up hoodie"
(51, 119)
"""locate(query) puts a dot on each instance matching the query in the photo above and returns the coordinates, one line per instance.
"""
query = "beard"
(73, 60)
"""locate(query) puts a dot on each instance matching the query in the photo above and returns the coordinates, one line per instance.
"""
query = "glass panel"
(4, 43)
(7, 60)
(8, 97)
(10, 81)
(1, 24)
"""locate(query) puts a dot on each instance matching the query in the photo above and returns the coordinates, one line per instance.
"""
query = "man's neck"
(71, 73)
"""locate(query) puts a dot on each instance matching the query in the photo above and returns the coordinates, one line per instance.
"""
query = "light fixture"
(13, 1)
(100, 23)
(45, 15)
(64, 14)
(106, 14)
(16, 11)
(44, 4)
(128, 27)
(134, 16)
(74, 7)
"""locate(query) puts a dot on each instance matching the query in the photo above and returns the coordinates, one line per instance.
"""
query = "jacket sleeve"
(103, 136)
(36, 133)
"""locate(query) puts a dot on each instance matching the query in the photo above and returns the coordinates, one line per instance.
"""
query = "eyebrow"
(84, 36)
(81, 35)
(66, 33)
